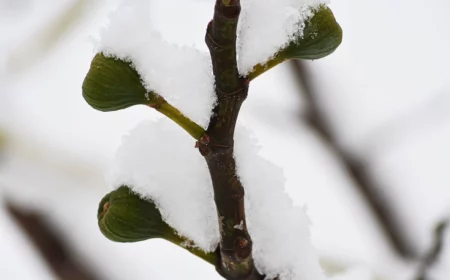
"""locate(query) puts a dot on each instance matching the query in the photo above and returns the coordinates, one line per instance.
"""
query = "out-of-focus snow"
(265, 26)
(183, 75)
(355, 274)
(159, 161)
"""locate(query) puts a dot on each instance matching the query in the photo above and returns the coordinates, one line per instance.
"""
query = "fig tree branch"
(218, 143)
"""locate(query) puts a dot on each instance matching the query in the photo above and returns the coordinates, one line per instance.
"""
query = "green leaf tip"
(321, 37)
(114, 84)
(123, 216)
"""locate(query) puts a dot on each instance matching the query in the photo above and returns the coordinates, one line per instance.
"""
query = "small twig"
(259, 69)
(165, 108)
(432, 256)
(356, 168)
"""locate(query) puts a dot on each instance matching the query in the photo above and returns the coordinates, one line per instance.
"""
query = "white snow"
(280, 231)
(67, 192)
(360, 94)
(182, 75)
(160, 162)
(265, 26)
(240, 226)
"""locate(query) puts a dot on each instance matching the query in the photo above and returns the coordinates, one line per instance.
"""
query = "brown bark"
(217, 144)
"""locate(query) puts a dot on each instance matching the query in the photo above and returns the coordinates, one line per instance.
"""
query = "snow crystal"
(182, 75)
(265, 26)
(159, 161)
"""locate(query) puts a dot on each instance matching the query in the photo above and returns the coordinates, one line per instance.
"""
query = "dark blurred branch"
(356, 168)
(51, 247)
(432, 256)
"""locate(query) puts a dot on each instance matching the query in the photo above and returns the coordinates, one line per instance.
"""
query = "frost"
(182, 75)
(159, 161)
(265, 26)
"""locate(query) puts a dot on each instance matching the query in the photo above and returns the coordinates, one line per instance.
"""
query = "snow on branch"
(266, 26)
(158, 161)
(182, 75)
(280, 231)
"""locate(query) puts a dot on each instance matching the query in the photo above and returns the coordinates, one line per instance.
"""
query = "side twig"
(165, 108)
(432, 256)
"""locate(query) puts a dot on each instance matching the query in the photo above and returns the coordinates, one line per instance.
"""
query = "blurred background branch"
(356, 168)
(46, 37)
(51, 245)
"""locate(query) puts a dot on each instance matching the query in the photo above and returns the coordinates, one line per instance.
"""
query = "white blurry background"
(385, 94)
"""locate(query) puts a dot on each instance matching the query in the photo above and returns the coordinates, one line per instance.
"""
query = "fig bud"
(114, 84)
(123, 216)
(321, 36)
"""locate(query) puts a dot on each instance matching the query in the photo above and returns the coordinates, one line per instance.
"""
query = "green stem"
(261, 68)
(210, 257)
(162, 106)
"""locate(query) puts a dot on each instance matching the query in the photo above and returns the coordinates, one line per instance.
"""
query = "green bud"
(113, 84)
(123, 216)
(321, 36)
